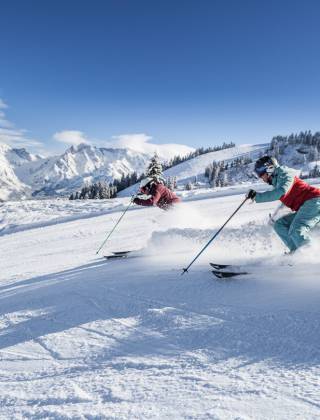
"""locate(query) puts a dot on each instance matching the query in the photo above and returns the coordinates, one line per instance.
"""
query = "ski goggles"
(260, 171)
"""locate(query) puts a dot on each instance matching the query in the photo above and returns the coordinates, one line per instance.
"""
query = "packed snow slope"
(86, 338)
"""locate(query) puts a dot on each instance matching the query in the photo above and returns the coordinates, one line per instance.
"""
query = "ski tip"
(227, 274)
(219, 266)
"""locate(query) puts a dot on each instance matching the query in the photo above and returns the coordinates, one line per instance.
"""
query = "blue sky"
(191, 72)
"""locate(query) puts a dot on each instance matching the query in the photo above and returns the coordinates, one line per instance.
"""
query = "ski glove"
(251, 194)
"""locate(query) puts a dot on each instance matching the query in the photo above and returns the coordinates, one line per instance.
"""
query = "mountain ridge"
(23, 174)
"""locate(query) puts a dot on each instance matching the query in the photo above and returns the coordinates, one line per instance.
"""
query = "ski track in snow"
(86, 338)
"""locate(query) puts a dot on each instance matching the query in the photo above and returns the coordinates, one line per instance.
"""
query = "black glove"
(251, 194)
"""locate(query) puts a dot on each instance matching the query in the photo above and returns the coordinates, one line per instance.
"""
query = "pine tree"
(154, 169)
(188, 186)
(113, 191)
(93, 191)
(215, 174)
(104, 191)
(169, 183)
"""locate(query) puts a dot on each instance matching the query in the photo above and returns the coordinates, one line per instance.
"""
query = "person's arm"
(152, 201)
(284, 183)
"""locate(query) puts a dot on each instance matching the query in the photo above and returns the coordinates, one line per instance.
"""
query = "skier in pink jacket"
(154, 193)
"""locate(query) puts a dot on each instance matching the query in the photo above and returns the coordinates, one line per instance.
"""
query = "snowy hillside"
(302, 157)
(86, 338)
(185, 171)
(195, 168)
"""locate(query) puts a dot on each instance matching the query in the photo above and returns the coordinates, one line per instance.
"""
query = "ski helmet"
(145, 182)
(266, 164)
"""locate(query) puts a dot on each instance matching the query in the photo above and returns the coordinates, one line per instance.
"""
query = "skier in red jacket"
(154, 193)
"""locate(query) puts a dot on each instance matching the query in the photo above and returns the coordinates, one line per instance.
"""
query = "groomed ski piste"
(86, 338)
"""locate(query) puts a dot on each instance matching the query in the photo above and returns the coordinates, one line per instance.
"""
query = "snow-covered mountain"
(23, 174)
(11, 185)
(60, 175)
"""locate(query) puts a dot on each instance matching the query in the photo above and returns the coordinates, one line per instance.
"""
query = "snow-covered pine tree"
(104, 191)
(315, 172)
(113, 191)
(223, 179)
(175, 183)
(313, 153)
(93, 191)
(169, 183)
(189, 186)
(215, 174)
(154, 169)
(84, 194)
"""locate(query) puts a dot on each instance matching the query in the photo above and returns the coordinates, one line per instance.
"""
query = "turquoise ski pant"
(294, 228)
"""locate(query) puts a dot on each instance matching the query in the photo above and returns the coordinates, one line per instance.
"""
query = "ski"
(227, 267)
(227, 270)
(220, 266)
(228, 274)
(117, 255)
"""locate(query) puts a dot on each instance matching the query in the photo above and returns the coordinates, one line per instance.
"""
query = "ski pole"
(124, 212)
(185, 270)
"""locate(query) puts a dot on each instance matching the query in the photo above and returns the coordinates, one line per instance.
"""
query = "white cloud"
(12, 136)
(4, 123)
(138, 142)
(2, 104)
(141, 143)
(72, 137)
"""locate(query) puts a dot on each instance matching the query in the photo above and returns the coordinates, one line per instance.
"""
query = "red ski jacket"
(299, 192)
(288, 188)
(161, 196)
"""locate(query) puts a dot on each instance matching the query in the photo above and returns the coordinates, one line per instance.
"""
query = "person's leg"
(307, 217)
(282, 226)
